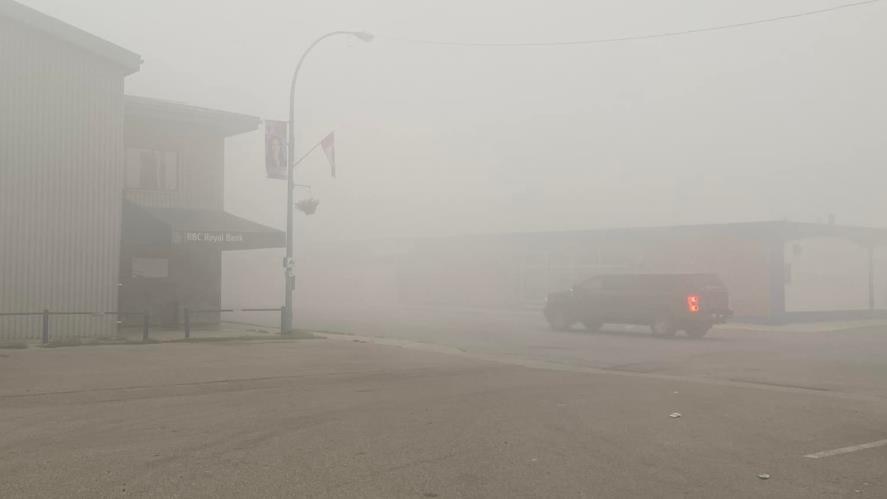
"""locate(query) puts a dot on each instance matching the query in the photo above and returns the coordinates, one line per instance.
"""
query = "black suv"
(667, 303)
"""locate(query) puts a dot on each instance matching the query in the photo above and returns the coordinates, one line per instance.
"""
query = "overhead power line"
(666, 34)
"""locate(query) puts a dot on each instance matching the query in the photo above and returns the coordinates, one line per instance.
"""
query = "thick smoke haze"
(573, 248)
(781, 120)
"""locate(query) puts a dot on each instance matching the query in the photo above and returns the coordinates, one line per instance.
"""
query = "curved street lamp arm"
(291, 134)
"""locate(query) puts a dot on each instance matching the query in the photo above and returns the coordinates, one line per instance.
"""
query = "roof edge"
(782, 227)
(34, 19)
(228, 122)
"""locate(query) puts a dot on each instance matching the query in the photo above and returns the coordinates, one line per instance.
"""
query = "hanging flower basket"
(307, 206)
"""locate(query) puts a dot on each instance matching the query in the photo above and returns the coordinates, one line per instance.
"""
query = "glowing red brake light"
(693, 303)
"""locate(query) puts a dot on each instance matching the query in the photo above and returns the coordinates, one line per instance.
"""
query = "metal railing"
(46, 314)
(188, 312)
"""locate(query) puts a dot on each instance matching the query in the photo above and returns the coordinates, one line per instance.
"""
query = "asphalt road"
(479, 405)
(812, 357)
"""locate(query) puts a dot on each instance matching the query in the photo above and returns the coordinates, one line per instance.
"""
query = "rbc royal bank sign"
(207, 237)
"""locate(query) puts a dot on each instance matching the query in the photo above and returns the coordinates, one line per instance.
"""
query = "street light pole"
(289, 276)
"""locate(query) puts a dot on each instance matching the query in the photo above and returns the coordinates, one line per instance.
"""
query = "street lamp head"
(364, 36)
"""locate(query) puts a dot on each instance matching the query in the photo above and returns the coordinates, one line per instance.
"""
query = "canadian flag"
(329, 148)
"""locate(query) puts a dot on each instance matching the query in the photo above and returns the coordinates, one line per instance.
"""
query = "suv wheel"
(663, 326)
(592, 326)
(558, 320)
(697, 330)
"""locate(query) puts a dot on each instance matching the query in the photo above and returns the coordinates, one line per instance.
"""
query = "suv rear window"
(619, 282)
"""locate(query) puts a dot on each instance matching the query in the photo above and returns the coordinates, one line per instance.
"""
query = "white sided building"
(81, 163)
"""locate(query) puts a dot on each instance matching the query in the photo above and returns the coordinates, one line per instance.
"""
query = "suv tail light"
(693, 303)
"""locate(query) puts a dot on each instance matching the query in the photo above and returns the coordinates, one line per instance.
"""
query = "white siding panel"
(61, 150)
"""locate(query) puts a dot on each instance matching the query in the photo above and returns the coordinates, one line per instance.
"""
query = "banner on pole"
(329, 148)
(275, 149)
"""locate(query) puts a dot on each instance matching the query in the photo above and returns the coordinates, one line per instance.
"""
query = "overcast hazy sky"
(783, 120)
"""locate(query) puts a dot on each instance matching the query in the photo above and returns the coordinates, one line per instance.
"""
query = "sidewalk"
(135, 335)
(224, 330)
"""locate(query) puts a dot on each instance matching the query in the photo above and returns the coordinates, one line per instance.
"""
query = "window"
(615, 283)
(629, 283)
(152, 170)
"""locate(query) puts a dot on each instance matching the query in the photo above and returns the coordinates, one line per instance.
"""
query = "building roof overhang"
(157, 110)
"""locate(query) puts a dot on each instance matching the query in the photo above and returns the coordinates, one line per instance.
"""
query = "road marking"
(847, 450)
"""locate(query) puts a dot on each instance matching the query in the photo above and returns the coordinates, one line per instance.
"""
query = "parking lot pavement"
(350, 418)
(847, 361)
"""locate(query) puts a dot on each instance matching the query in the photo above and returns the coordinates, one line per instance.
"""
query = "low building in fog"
(775, 271)
(107, 202)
